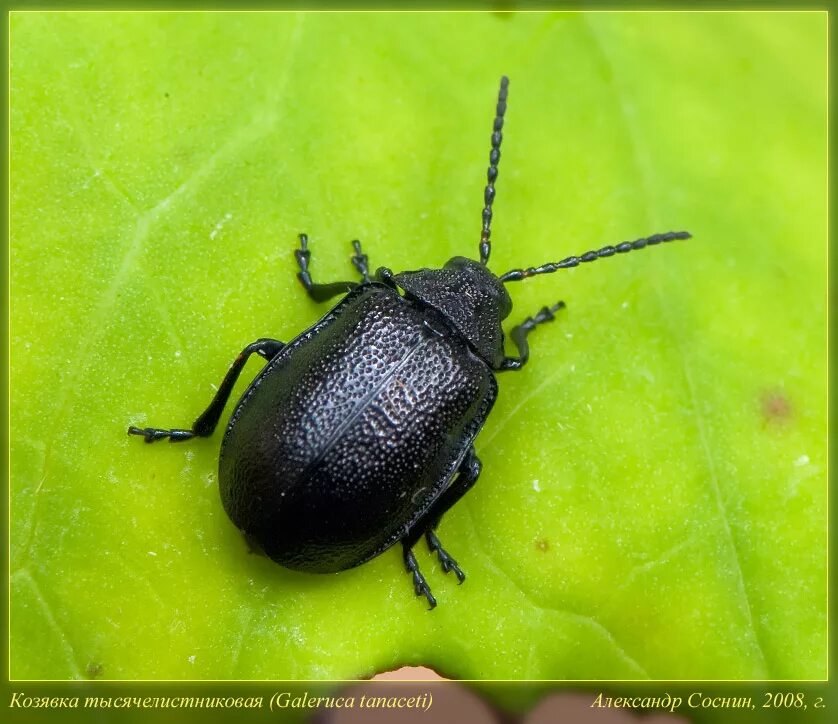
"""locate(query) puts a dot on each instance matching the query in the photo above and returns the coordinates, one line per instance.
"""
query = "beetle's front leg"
(206, 423)
(324, 292)
(519, 337)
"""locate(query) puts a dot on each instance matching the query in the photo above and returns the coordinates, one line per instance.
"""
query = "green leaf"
(653, 499)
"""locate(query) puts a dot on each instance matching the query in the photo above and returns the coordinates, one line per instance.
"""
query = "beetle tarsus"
(153, 434)
(446, 561)
(420, 585)
(360, 261)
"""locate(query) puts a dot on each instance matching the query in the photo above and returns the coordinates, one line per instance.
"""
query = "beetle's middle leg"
(466, 477)
(207, 421)
(519, 337)
(324, 292)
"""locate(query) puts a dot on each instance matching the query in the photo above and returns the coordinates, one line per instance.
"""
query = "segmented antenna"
(492, 173)
(517, 274)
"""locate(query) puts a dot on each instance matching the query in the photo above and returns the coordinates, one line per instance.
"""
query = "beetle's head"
(469, 296)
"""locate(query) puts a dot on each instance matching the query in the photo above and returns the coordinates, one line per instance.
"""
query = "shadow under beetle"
(359, 433)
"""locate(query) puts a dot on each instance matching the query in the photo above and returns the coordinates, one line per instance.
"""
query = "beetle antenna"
(492, 173)
(517, 274)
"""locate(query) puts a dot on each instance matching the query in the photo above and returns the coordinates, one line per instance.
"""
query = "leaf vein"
(52, 622)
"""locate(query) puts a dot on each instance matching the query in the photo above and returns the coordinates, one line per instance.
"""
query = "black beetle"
(359, 433)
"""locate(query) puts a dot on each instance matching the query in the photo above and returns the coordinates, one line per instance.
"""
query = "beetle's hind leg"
(420, 585)
(320, 292)
(206, 423)
(445, 560)
(466, 477)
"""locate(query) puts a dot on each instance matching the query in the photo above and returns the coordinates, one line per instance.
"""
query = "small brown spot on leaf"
(542, 545)
(776, 407)
(94, 670)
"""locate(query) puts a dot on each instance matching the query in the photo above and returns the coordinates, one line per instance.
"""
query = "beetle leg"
(385, 276)
(420, 585)
(466, 477)
(519, 337)
(318, 292)
(446, 561)
(360, 261)
(206, 423)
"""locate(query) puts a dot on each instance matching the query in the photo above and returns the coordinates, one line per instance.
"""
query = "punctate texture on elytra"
(349, 435)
